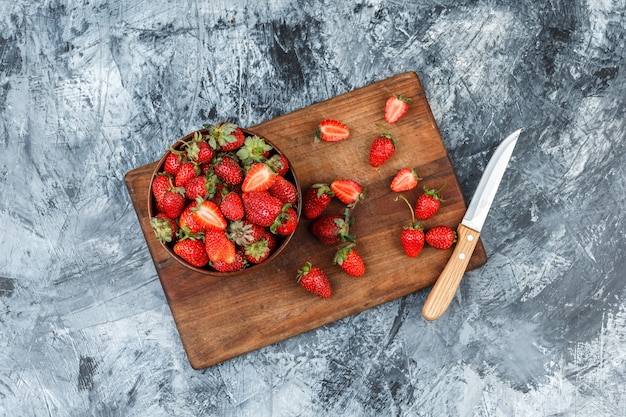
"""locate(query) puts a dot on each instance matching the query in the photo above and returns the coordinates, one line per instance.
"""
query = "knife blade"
(469, 230)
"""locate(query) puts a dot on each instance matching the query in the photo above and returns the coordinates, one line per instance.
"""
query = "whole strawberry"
(331, 229)
(314, 280)
(238, 263)
(172, 202)
(228, 170)
(197, 187)
(225, 136)
(162, 182)
(441, 237)
(186, 172)
(383, 148)
(232, 206)
(218, 246)
(428, 203)
(261, 208)
(284, 190)
(198, 150)
(192, 250)
(173, 162)
(164, 228)
(412, 236)
(286, 222)
(350, 261)
(257, 252)
(278, 163)
(316, 199)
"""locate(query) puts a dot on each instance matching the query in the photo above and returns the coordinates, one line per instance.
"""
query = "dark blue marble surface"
(90, 90)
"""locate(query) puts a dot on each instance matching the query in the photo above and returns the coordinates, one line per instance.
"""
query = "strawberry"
(173, 162)
(197, 187)
(232, 206)
(330, 229)
(172, 202)
(164, 228)
(208, 215)
(161, 183)
(186, 221)
(412, 236)
(316, 199)
(395, 108)
(348, 192)
(192, 251)
(254, 149)
(237, 264)
(428, 203)
(440, 237)
(330, 130)
(186, 172)
(284, 190)
(218, 246)
(199, 151)
(286, 222)
(271, 240)
(314, 280)
(383, 148)
(244, 233)
(278, 163)
(258, 251)
(260, 177)
(350, 261)
(225, 136)
(261, 208)
(406, 179)
(228, 170)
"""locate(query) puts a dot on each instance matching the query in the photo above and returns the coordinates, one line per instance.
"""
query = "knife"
(468, 231)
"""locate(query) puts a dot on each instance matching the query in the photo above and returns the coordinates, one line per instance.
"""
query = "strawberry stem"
(401, 197)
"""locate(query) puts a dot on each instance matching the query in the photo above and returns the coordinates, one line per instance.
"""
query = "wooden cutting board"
(220, 318)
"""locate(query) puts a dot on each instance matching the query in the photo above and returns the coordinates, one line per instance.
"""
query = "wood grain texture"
(220, 318)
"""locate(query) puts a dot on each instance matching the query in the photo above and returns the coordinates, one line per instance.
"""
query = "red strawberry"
(245, 233)
(314, 280)
(330, 130)
(330, 229)
(218, 247)
(260, 177)
(412, 236)
(197, 187)
(172, 202)
(164, 228)
(258, 251)
(271, 240)
(237, 264)
(232, 206)
(284, 190)
(440, 237)
(383, 148)
(228, 170)
(286, 222)
(350, 261)
(186, 221)
(207, 214)
(316, 199)
(186, 172)
(395, 108)
(173, 162)
(199, 151)
(279, 164)
(428, 203)
(261, 208)
(348, 191)
(406, 179)
(161, 183)
(225, 136)
(192, 251)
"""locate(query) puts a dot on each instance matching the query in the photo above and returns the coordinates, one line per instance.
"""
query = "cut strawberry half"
(331, 130)
(348, 192)
(395, 108)
(208, 215)
(259, 178)
(406, 179)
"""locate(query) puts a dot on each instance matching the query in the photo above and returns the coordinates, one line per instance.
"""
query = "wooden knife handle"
(444, 289)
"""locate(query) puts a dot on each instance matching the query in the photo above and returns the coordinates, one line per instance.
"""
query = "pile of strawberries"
(224, 200)
(334, 229)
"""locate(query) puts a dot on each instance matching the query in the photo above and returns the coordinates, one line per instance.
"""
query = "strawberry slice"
(259, 178)
(348, 192)
(208, 215)
(406, 179)
(395, 108)
(330, 130)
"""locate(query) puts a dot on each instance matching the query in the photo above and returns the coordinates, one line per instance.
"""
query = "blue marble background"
(90, 90)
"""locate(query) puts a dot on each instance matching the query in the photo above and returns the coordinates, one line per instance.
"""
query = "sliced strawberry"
(209, 216)
(331, 130)
(348, 192)
(406, 179)
(395, 108)
(259, 178)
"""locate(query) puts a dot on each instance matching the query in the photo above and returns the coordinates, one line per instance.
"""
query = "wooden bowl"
(281, 241)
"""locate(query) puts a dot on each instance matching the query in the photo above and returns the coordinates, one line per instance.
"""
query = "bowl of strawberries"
(224, 200)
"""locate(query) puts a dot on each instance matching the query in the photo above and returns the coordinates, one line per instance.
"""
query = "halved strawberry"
(406, 179)
(348, 192)
(260, 177)
(395, 108)
(331, 130)
(208, 215)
